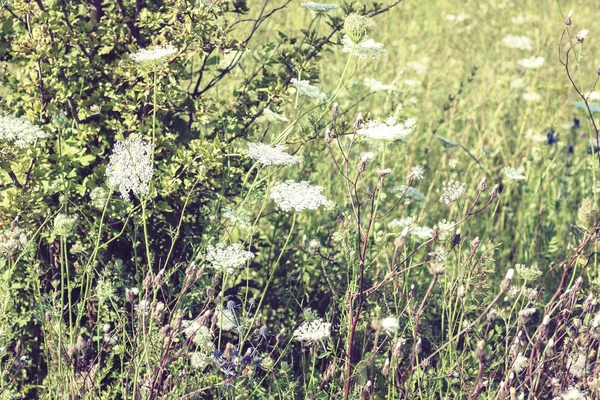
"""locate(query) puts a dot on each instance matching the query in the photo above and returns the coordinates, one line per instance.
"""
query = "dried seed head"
(482, 184)
(358, 123)
(506, 282)
(495, 190)
(327, 138)
(475, 243)
(569, 20)
(335, 111)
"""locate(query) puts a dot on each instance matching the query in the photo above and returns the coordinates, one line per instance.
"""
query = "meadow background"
(156, 296)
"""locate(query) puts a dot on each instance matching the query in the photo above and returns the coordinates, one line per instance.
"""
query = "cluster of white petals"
(272, 116)
(452, 191)
(306, 89)
(377, 86)
(271, 155)
(228, 259)
(390, 129)
(318, 7)
(298, 196)
(311, 332)
(154, 55)
(513, 174)
(517, 42)
(532, 62)
(19, 132)
(366, 48)
(130, 168)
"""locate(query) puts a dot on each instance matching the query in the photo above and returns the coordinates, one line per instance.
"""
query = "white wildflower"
(573, 394)
(98, 197)
(418, 67)
(581, 35)
(398, 225)
(366, 156)
(390, 325)
(389, 130)
(531, 97)
(366, 48)
(576, 365)
(199, 360)
(228, 259)
(520, 19)
(19, 132)
(416, 173)
(64, 224)
(306, 89)
(226, 319)
(154, 55)
(11, 242)
(298, 196)
(311, 332)
(520, 363)
(528, 273)
(452, 191)
(376, 86)
(527, 312)
(200, 334)
(130, 168)
(458, 18)
(517, 42)
(271, 155)
(513, 174)
(421, 232)
(272, 116)
(319, 7)
(531, 62)
(446, 229)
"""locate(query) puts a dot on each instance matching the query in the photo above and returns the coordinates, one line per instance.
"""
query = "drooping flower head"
(271, 155)
(130, 168)
(298, 196)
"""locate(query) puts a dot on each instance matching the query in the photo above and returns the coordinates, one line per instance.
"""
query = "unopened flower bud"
(569, 20)
(495, 190)
(335, 111)
(482, 184)
(327, 137)
(506, 282)
(358, 123)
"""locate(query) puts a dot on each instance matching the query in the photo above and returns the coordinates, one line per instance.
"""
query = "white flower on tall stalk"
(416, 173)
(398, 225)
(98, 196)
(531, 62)
(531, 97)
(130, 168)
(418, 67)
(517, 42)
(452, 191)
(376, 86)
(228, 259)
(19, 132)
(390, 325)
(11, 242)
(421, 232)
(520, 363)
(153, 56)
(271, 155)
(306, 89)
(581, 35)
(389, 130)
(573, 394)
(226, 319)
(513, 174)
(64, 224)
(528, 273)
(311, 332)
(272, 116)
(317, 7)
(298, 196)
(367, 48)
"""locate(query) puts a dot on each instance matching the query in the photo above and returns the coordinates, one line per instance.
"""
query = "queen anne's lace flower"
(19, 132)
(298, 196)
(311, 332)
(154, 55)
(531, 96)
(306, 89)
(11, 242)
(517, 42)
(272, 116)
(130, 168)
(319, 7)
(421, 232)
(226, 319)
(528, 273)
(532, 62)
(271, 155)
(376, 86)
(520, 363)
(452, 191)
(390, 325)
(228, 259)
(389, 130)
(416, 173)
(366, 48)
(398, 225)
(513, 174)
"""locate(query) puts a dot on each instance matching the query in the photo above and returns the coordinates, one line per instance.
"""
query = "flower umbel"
(306, 89)
(271, 155)
(298, 196)
(155, 55)
(311, 332)
(228, 259)
(319, 8)
(130, 168)
(389, 130)
(452, 191)
(19, 132)
(367, 48)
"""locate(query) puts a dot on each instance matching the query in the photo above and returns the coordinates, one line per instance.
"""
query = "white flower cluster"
(531, 96)
(418, 67)
(377, 86)
(520, 19)
(366, 48)
(528, 273)
(272, 116)
(98, 196)
(390, 129)
(421, 232)
(200, 334)
(11, 241)
(517, 42)
(513, 174)
(306, 89)
(298, 196)
(317, 7)
(143, 56)
(130, 168)
(416, 173)
(64, 225)
(228, 259)
(452, 191)
(271, 155)
(398, 225)
(532, 62)
(520, 363)
(408, 226)
(226, 319)
(19, 132)
(389, 325)
(311, 332)
(458, 18)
